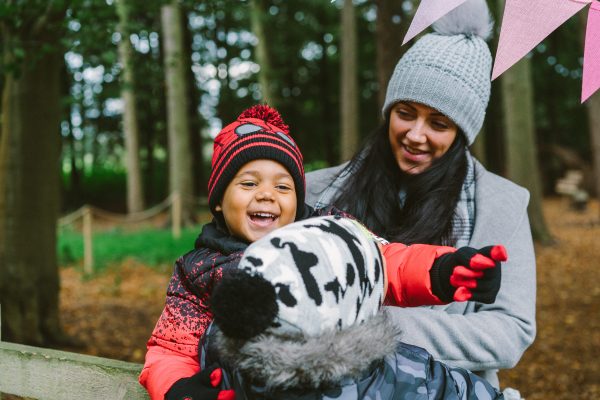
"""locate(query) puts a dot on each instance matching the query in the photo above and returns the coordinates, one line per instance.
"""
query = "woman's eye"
(440, 125)
(248, 183)
(283, 187)
(402, 113)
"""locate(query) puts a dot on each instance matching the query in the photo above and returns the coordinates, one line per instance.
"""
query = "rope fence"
(87, 213)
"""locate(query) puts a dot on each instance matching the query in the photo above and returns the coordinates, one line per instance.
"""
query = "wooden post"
(88, 252)
(176, 215)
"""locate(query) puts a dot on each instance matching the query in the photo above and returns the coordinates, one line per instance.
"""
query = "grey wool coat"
(470, 335)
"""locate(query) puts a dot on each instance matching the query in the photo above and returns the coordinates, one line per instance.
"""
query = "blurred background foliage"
(303, 39)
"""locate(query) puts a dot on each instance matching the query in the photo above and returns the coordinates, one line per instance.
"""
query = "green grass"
(154, 247)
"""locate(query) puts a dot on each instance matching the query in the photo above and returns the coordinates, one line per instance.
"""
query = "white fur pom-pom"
(470, 18)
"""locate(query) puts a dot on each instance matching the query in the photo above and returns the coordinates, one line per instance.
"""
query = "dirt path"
(113, 314)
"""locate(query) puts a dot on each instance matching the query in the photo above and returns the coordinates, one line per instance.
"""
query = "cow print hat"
(312, 276)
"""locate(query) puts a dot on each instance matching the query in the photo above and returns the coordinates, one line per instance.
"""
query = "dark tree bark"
(29, 181)
(522, 161)
(258, 11)
(593, 111)
(391, 26)
(199, 174)
(348, 84)
(131, 131)
(180, 163)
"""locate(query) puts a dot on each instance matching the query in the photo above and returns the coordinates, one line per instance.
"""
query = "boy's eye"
(283, 187)
(248, 183)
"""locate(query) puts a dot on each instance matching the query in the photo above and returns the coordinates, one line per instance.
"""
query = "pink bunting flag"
(591, 58)
(526, 23)
(428, 12)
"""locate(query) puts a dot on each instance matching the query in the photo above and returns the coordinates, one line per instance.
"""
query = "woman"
(416, 182)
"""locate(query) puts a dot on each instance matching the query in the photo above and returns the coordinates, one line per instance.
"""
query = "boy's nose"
(264, 195)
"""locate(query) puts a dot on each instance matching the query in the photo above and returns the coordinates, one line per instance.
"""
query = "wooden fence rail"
(87, 213)
(47, 374)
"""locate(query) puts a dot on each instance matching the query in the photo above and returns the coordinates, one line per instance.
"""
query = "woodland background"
(114, 103)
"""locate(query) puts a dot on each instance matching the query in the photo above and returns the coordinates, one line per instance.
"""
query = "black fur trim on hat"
(244, 305)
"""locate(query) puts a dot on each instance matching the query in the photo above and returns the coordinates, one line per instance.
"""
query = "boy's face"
(260, 198)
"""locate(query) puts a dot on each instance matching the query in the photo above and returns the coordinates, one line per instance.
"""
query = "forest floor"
(113, 313)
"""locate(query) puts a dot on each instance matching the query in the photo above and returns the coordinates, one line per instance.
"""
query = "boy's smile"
(259, 199)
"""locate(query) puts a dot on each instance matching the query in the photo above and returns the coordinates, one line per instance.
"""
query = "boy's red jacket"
(173, 347)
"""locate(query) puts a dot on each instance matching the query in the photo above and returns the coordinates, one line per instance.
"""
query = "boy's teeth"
(264, 215)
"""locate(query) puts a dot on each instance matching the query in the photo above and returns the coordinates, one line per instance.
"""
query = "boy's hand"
(468, 274)
(202, 386)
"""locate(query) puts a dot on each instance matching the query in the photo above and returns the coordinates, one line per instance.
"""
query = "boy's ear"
(218, 207)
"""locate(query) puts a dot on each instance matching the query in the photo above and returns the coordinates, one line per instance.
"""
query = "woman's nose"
(417, 132)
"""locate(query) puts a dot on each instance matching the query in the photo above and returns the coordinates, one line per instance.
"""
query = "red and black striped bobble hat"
(258, 133)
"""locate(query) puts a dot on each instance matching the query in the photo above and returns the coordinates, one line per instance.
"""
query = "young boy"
(292, 329)
(256, 186)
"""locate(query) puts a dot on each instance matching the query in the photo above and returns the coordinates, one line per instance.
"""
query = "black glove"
(205, 385)
(468, 274)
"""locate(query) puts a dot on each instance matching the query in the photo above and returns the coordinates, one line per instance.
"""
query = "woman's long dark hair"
(371, 193)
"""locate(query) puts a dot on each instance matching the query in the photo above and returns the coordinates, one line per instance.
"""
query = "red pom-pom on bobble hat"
(267, 114)
(258, 133)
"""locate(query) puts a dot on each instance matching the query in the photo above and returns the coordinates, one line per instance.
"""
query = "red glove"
(468, 274)
(202, 386)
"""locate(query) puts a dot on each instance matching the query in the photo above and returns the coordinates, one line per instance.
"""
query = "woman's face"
(419, 135)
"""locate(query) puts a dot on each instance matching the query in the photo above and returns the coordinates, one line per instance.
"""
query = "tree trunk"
(325, 86)
(489, 144)
(135, 191)
(263, 57)
(593, 111)
(200, 176)
(349, 84)
(391, 26)
(29, 185)
(178, 126)
(522, 162)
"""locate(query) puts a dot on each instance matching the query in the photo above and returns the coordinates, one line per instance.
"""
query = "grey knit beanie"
(449, 70)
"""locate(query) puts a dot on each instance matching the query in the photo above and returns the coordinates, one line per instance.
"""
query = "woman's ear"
(218, 207)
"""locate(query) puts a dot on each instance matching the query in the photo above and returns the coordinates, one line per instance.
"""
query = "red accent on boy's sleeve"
(163, 368)
(215, 377)
(407, 267)
(226, 395)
